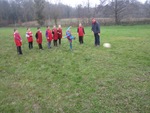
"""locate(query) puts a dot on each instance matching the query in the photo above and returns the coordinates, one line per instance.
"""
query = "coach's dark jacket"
(95, 28)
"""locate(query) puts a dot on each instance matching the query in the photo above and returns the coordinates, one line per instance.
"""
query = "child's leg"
(31, 45)
(48, 44)
(79, 39)
(59, 41)
(17, 50)
(20, 51)
(56, 42)
(82, 39)
(70, 45)
(41, 46)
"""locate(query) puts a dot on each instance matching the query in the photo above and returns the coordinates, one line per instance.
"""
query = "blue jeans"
(71, 45)
(49, 44)
(97, 39)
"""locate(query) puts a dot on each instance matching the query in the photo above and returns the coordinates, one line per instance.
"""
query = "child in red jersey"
(29, 36)
(18, 41)
(39, 38)
(59, 30)
(55, 35)
(48, 36)
(81, 33)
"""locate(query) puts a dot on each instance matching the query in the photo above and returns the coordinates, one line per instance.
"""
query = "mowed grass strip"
(86, 80)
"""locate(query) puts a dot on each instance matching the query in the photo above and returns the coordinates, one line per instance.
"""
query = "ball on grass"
(107, 45)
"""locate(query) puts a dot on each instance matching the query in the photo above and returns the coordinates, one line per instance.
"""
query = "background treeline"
(35, 12)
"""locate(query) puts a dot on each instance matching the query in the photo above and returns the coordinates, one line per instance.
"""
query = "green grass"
(86, 80)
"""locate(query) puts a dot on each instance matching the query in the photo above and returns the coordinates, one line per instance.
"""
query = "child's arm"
(46, 34)
(27, 35)
(36, 35)
(68, 28)
(83, 30)
(19, 38)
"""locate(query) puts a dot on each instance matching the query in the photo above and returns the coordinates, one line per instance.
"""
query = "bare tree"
(55, 12)
(39, 7)
(118, 7)
(147, 8)
(99, 10)
(79, 11)
(88, 11)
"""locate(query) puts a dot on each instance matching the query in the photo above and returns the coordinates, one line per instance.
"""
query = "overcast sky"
(74, 3)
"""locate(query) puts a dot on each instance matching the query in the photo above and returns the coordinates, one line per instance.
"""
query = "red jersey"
(59, 31)
(55, 34)
(80, 31)
(29, 36)
(17, 39)
(49, 35)
(39, 37)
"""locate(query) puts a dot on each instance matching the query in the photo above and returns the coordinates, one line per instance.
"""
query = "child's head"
(54, 26)
(59, 26)
(48, 27)
(38, 28)
(28, 29)
(15, 30)
(80, 24)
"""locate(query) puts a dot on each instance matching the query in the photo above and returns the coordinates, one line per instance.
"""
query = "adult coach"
(96, 31)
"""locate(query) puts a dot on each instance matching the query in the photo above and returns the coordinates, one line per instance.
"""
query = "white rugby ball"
(107, 45)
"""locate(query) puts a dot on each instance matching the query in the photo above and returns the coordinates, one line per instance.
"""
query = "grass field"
(86, 80)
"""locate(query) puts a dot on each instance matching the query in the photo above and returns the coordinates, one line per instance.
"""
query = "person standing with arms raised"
(96, 31)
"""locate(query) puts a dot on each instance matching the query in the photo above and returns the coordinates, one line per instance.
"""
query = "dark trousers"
(19, 51)
(59, 41)
(30, 45)
(81, 39)
(40, 46)
(97, 39)
(55, 42)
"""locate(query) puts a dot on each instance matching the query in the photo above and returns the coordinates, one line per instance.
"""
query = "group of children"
(55, 34)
